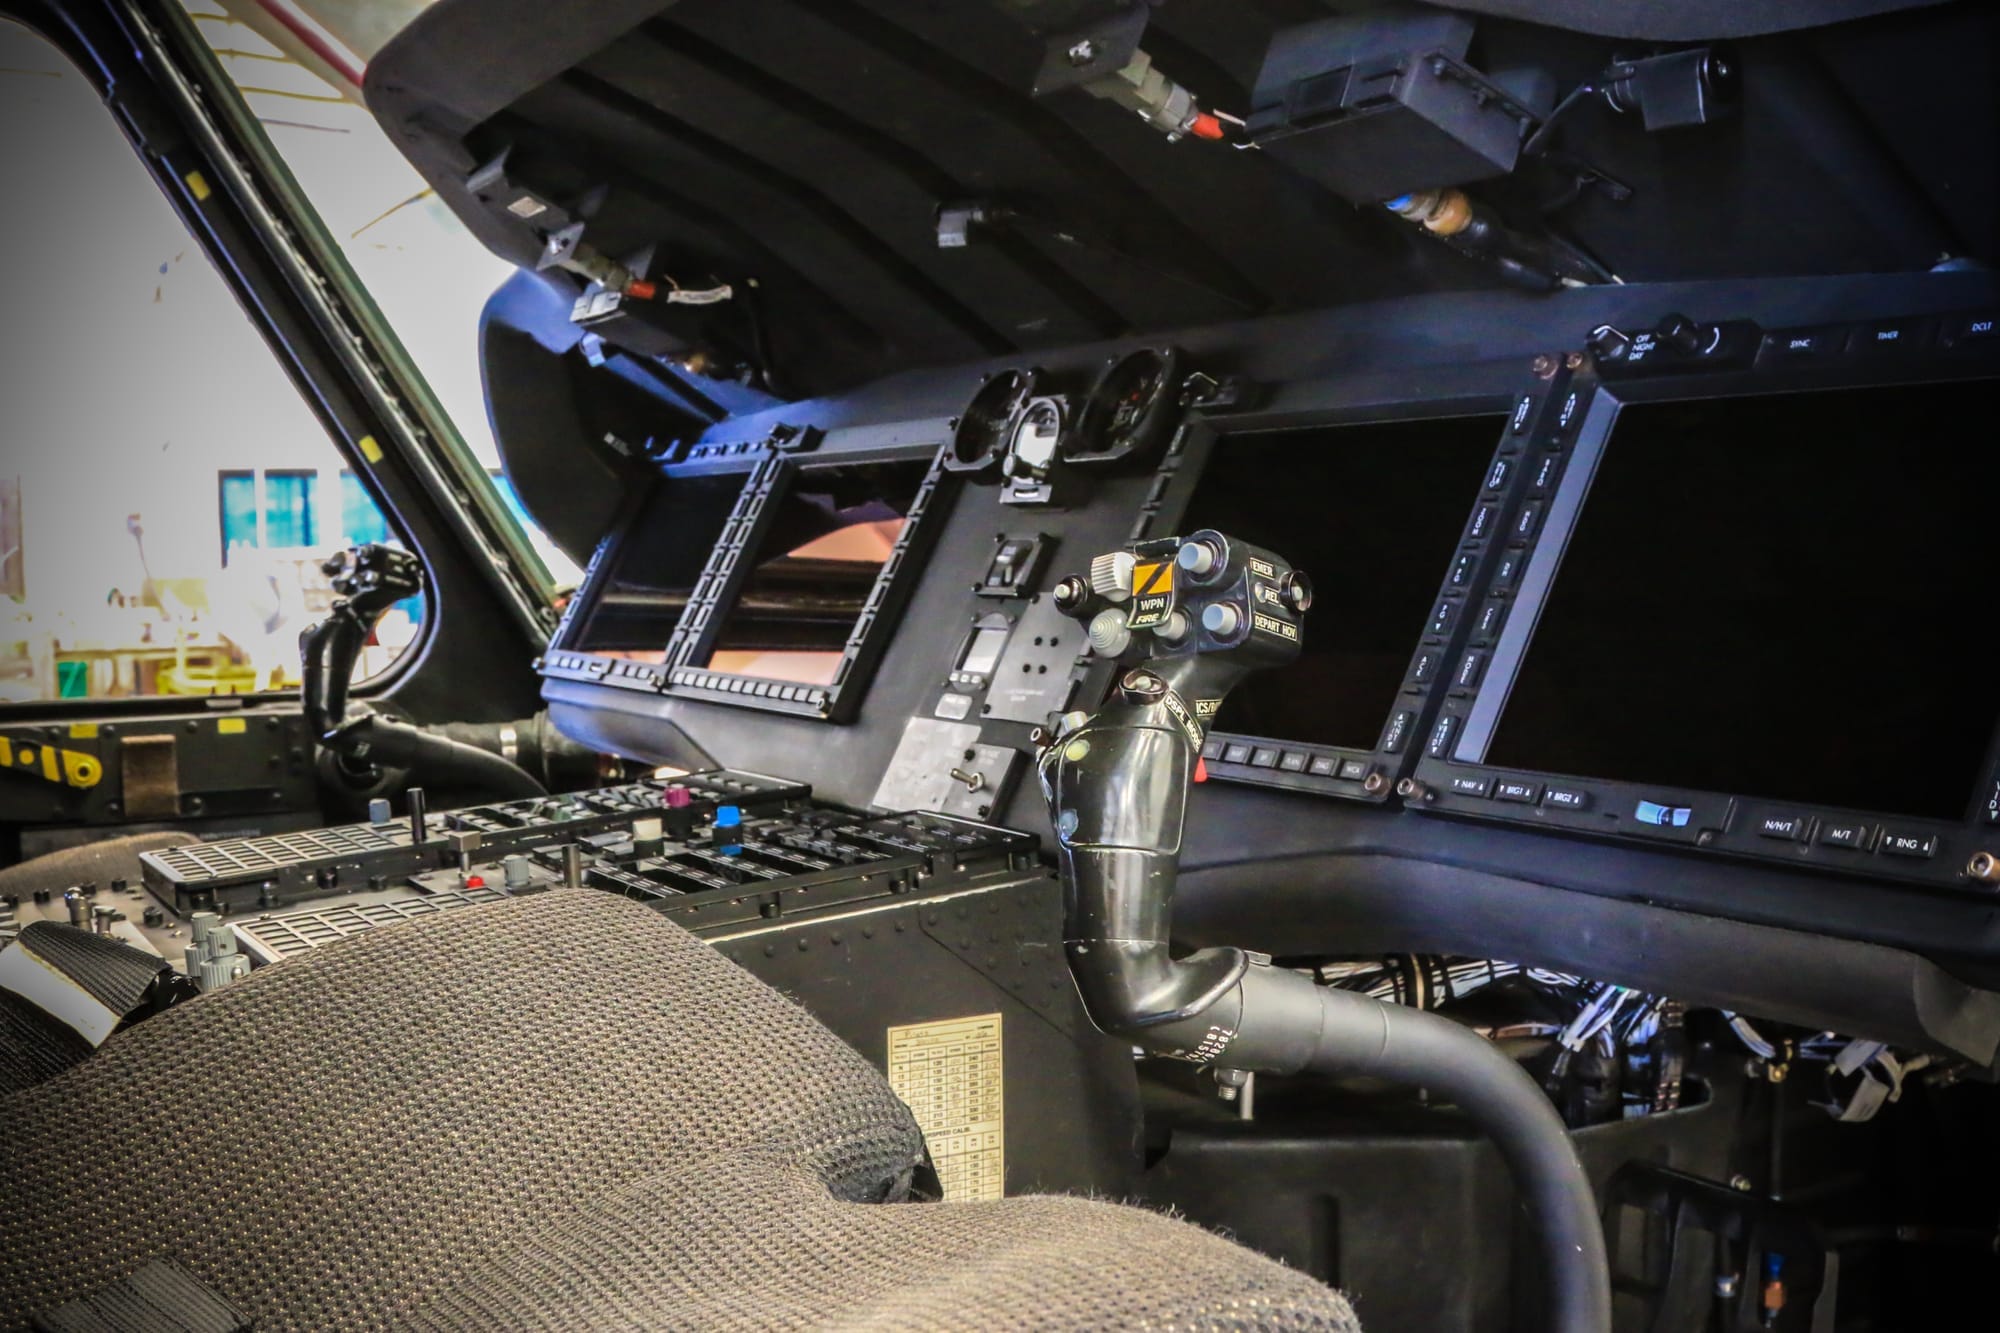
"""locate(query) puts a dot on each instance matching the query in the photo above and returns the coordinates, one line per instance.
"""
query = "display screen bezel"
(608, 558)
(1730, 821)
(1361, 772)
(721, 579)
(731, 565)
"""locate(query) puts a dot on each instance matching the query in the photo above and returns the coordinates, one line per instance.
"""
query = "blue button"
(1662, 816)
(728, 816)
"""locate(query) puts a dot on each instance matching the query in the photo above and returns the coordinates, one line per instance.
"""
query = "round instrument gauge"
(985, 428)
(1132, 408)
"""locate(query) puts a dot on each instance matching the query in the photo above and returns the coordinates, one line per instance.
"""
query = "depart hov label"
(1284, 629)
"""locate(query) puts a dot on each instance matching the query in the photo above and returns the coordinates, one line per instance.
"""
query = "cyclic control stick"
(1187, 619)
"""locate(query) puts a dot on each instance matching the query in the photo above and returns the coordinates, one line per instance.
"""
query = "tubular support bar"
(1117, 785)
(1278, 1021)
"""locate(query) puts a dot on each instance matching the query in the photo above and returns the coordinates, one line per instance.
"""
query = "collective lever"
(1198, 615)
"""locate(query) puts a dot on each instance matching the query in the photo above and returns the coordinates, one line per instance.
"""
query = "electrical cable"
(1571, 100)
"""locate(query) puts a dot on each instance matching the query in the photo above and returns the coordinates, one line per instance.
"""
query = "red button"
(475, 881)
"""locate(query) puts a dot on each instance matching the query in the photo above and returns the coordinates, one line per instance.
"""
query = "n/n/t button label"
(1785, 828)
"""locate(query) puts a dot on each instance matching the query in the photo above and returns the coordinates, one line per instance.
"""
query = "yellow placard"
(950, 1074)
(1148, 579)
(231, 726)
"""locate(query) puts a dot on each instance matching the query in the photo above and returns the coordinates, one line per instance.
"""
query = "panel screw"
(1082, 53)
(1544, 366)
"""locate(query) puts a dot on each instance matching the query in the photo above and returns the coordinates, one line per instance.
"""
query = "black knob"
(1683, 334)
(1607, 342)
(1297, 590)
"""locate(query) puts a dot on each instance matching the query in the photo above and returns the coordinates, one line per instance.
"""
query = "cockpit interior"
(1231, 664)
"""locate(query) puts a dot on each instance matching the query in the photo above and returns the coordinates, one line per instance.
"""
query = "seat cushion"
(345, 1134)
(741, 1245)
(555, 1111)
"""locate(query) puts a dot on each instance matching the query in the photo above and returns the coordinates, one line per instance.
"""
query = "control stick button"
(1220, 618)
(1198, 558)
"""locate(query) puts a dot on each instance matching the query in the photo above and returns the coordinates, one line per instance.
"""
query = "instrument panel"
(1747, 620)
(1710, 587)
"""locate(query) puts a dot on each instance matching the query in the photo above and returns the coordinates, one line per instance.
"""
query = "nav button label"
(1462, 786)
(1785, 828)
(1398, 733)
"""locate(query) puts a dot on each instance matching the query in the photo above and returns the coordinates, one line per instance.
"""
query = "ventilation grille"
(263, 856)
(269, 938)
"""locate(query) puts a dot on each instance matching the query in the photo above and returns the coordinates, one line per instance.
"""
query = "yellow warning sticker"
(949, 1074)
(1152, 594)
(198, 186)
(82, 731)
(230, 726)
(1156, 577)
(369, 449)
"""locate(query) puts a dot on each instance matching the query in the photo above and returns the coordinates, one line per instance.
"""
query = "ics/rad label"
(949, 1074)
(1284, 629)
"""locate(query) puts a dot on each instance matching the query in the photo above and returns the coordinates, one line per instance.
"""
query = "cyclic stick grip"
(1186, 619)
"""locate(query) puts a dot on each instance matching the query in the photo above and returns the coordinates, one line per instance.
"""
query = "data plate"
(949, 1074)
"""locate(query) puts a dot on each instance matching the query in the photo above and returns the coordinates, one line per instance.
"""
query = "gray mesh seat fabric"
(558, 1111)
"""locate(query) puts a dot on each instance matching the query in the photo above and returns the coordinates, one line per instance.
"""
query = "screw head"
(1082, 53)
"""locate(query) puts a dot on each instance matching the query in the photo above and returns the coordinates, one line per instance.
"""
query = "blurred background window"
(166, 496)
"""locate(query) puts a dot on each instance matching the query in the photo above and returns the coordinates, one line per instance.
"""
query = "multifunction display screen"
(655, 567)
(1372, 514)
(1787, 597)
(828, 534)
